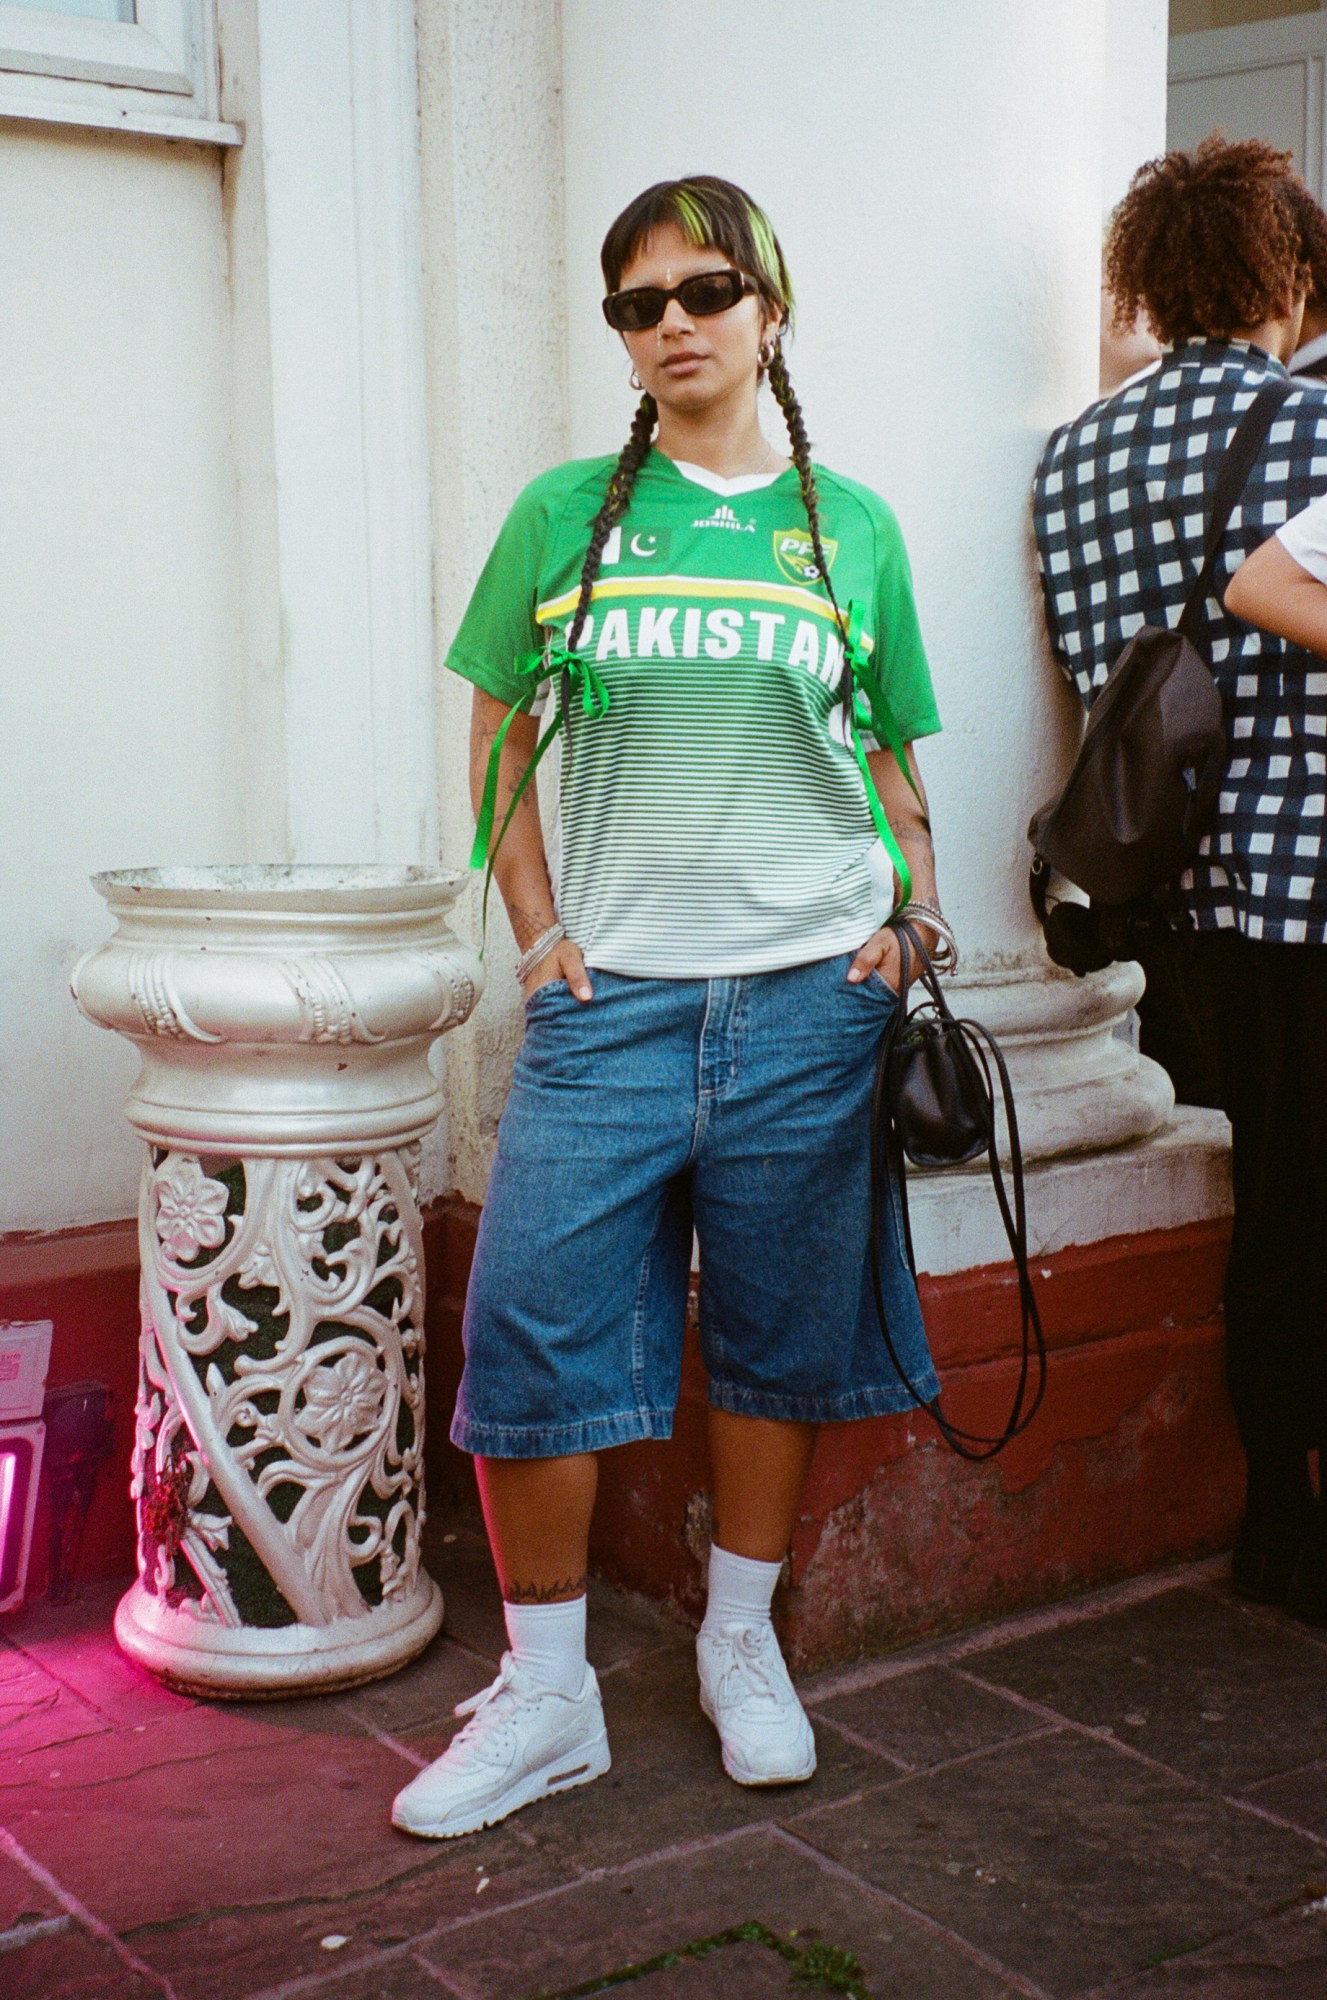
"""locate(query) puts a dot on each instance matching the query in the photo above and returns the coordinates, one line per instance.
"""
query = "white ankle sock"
(548, 1640)
(741, 1590)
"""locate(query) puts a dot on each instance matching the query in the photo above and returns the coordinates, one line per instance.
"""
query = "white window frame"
(155, 74)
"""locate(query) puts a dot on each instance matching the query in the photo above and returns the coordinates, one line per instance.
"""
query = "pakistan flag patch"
(795, 554)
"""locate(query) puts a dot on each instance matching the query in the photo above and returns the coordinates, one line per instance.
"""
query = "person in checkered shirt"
(1212, 246)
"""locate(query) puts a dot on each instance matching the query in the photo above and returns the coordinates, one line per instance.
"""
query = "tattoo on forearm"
(915, 840)
(527, 924)
(545, 1593)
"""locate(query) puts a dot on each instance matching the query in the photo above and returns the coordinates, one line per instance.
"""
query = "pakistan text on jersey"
(721, 634)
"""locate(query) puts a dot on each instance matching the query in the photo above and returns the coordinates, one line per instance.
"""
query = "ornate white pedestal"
(284, 1016)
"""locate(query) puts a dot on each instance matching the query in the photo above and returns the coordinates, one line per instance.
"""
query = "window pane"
(90, 10)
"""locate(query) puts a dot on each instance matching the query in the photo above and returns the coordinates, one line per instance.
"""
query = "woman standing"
(705, 989)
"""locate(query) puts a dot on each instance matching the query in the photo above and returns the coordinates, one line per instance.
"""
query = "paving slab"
(1066, 1859)
(928, 1716)
(74, 1643)
(738, 1972)
(36, 1710)
(1282, 1959)
(604, 1924)
(70, 1965)
(111, 1755)
(225, 1954)
(424, 1694)
(296, 1814)
(400, 1976)
(22, 1901)
(1300, 1796)
(1188, 1677)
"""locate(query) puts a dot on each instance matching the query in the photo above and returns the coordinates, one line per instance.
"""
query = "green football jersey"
(713, 820)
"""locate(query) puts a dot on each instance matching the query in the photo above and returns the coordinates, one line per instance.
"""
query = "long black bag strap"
(1249, 437)
(888, 1160)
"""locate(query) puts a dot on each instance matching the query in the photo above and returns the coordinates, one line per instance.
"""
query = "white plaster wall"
(1134, 126)
(935, 176)
(120, 743)
(490, 140)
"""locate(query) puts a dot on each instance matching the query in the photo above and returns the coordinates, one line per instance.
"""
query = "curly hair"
(1209, 243)
(1313, 228)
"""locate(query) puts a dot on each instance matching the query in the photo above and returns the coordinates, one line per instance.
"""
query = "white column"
(326, 242)
(1134, 127)
(491, 151)
(935, 176)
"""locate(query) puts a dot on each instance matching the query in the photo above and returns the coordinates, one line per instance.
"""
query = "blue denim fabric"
(740, 1106)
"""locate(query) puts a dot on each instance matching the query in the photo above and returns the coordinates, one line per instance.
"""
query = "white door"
(1261, 82)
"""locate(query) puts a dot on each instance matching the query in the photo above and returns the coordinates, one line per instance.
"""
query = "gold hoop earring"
(636, 382)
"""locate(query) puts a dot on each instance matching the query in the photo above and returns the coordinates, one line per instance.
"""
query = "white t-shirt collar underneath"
(746, 482)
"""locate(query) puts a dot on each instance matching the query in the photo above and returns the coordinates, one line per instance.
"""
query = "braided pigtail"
(785, 396)
(613, 507)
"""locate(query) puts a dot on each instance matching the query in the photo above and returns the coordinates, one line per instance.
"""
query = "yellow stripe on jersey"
(694, 586)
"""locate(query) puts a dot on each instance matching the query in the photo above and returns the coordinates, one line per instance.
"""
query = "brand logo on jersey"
(724, 517)
(642, 545)
(794, 552)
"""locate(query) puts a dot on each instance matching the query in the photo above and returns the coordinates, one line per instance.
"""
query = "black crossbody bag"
(933, 1103)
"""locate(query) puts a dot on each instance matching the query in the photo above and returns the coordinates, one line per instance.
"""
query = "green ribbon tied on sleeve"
(569, 671)
(867, 708)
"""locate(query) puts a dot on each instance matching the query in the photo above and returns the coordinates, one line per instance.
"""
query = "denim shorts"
(737, 1107)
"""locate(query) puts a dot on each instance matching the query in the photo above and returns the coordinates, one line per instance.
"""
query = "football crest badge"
(795, 554)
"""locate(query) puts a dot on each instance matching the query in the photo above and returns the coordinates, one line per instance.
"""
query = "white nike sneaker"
(747, 1695)
(521, 1743)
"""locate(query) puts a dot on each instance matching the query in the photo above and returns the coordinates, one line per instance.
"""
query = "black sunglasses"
(645, 305)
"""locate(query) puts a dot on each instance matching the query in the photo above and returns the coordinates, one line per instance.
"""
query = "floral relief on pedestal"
(279, 1465)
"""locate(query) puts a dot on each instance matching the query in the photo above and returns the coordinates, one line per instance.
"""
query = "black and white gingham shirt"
(1120, 507)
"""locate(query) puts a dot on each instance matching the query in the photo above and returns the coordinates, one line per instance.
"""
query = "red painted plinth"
(1132, 1461)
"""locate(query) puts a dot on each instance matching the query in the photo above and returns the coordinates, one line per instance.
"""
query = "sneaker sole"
(578, 1767)
(741, 1776)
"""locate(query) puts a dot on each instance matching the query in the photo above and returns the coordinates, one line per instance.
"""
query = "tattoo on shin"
(545, 1593)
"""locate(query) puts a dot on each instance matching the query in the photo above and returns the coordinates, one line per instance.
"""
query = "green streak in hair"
(762, 236)
(691, 214)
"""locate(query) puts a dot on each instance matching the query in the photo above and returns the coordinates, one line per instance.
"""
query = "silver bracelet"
(945, 959)
(541, 947)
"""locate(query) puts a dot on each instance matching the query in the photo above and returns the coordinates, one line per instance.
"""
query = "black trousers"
(1173, 1027)
(1264, 1007)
